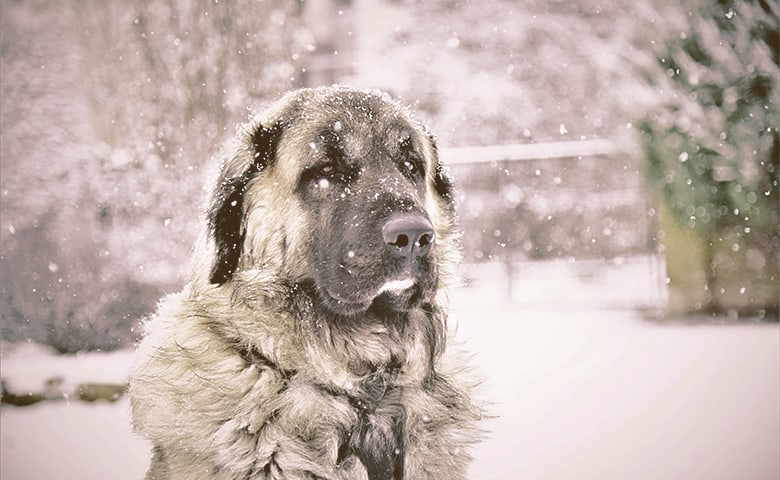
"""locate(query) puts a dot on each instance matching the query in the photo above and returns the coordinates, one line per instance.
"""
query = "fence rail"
(528, 151)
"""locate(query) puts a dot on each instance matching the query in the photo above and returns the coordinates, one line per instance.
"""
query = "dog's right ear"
(226, 210)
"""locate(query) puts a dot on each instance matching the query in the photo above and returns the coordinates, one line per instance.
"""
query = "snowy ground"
(605, 395)
(580, 391)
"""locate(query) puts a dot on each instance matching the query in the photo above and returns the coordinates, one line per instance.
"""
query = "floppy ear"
(225, 213)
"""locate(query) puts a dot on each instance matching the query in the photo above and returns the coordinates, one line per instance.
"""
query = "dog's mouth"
(395, 295)
(397, 286)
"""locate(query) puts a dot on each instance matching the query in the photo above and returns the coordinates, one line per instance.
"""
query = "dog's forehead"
(360, 125)
(369, 115)
(359, 139)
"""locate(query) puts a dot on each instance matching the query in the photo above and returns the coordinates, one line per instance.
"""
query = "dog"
(309, 341)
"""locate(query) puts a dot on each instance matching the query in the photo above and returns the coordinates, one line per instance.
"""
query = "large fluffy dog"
(309, 342)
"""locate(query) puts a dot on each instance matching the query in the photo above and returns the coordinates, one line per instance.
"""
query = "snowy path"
(579, 394)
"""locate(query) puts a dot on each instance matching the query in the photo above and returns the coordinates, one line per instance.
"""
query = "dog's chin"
(390, 304)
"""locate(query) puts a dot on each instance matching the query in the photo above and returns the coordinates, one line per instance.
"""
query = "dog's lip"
(348, 306)
(396, 286)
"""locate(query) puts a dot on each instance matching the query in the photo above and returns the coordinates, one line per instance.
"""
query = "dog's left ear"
(226, 210)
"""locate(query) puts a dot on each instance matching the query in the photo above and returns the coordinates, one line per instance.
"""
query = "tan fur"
(249, 379)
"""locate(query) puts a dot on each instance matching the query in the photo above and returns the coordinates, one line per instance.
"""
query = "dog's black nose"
(410, 235)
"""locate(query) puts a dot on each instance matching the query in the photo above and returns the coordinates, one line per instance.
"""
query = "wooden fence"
(577, 212)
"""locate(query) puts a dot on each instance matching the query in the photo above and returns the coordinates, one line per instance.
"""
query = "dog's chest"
(375, 435)
(378, 437)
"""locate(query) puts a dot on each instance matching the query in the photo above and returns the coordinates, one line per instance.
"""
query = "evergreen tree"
(713, 145)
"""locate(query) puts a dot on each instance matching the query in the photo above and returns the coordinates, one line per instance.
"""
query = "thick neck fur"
(370, 360)
(349, 353)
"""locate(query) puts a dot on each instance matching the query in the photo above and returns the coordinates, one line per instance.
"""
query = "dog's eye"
(411, 167)
(328, 173)
(409, 164)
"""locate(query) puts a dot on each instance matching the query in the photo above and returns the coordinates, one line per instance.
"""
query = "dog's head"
(340, 191)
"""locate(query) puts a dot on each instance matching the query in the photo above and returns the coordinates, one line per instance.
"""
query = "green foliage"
(713, 145)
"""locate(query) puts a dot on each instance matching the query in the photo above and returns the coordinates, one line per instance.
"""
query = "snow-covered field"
(579, 392)
(605, 395)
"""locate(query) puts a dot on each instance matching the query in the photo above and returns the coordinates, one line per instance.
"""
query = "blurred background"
(654, 127)
(616, 163)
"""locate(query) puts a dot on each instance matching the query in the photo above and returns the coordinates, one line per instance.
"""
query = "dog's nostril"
(401, 241)
(424, 240)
